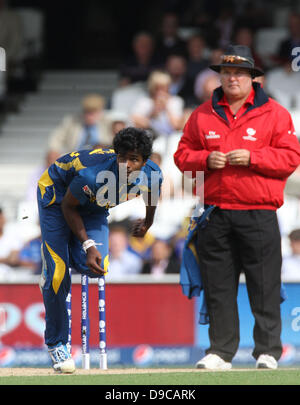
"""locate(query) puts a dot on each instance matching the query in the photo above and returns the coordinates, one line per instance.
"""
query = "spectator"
(91, 127)
(196, 60)
(210, 83)
(160, 111)
(243, 227)
(29, 256)
(141, 246)
(138, 67)
(283, 84)
(286, 46)
(291, 264)
(181, 84)
(162, 260)
(122, 262)
(10, 244)
(118, 121)
(168, 40)
(207, 80)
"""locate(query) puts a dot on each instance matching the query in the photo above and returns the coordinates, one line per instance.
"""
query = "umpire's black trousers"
(248, 241)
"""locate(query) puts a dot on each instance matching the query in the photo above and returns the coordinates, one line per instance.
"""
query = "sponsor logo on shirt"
(212, 135)
(250, 135)
(87, 191)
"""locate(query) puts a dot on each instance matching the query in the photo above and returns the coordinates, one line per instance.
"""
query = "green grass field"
(234, 377)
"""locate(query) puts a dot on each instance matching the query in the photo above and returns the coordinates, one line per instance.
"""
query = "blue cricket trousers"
(62, 250)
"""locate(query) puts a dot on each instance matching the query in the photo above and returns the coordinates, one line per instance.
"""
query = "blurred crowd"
(164, 78)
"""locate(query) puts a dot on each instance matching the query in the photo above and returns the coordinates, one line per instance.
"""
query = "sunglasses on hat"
(236, 59)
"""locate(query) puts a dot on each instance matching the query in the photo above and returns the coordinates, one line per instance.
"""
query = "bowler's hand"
(216, 160)
(93, 260)
(238, 157)
(140, 228)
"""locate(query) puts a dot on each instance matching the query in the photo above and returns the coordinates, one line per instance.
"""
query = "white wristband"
(87, 244)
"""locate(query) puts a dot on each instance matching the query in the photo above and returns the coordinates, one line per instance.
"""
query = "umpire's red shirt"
(265, 128)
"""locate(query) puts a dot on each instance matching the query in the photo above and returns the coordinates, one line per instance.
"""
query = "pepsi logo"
(288, 353)
(7, 356)
(143, 355)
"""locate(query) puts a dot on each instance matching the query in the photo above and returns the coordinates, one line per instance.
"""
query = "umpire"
(246, 144)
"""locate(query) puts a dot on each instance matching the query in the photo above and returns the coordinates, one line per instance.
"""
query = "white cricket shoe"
(62, 361)
(266, 361)
(213, 362)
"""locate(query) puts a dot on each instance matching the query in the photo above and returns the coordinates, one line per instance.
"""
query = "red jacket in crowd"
(265, 129)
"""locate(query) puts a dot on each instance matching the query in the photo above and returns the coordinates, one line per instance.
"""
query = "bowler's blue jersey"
(96, 180)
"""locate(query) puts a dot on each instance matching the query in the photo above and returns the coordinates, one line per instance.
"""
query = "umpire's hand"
(238, 157)
(216, 160)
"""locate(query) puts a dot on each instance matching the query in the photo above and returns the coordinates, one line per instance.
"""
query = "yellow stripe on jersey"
(75, 163)
(193, 249)
(59, 271)
(45, 181)
(106, 264)
(101, 151)
(53, 198)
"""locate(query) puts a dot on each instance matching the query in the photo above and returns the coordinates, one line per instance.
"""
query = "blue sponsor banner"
(140, 356)
(290, 336)
(137, 356)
